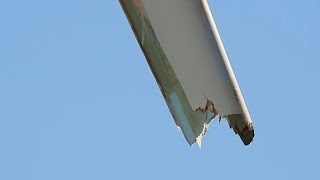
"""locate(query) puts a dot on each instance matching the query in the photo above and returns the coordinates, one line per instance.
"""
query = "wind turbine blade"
(184, 51)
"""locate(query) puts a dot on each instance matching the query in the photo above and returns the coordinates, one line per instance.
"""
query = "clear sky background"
(78, 101)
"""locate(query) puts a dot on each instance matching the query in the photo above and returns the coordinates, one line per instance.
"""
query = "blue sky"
(78, 101)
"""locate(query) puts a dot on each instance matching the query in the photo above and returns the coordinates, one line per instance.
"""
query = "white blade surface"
(184, 51)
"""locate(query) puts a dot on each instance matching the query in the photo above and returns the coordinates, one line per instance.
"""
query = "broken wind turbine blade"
(184, 51)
